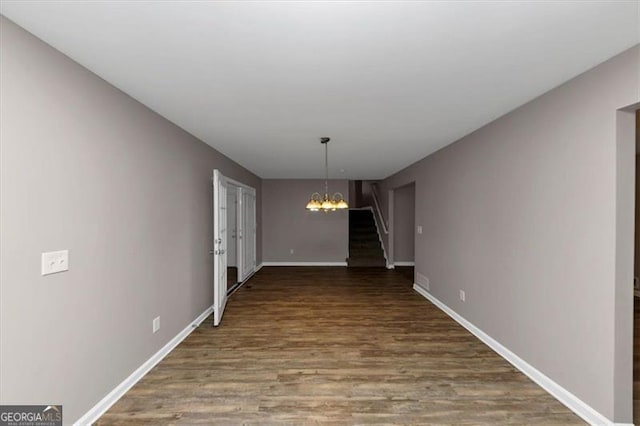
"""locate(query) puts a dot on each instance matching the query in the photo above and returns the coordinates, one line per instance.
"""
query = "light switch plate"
(419, 229)
(55, 261)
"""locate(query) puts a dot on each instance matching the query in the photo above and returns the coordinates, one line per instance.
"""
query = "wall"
(637, 222)
(403, 223)
(85, 167)
(354, 193)
(624, 247)
(637, 204)
(521, 214)
(367, 193)
(638, 132)
(287, 225)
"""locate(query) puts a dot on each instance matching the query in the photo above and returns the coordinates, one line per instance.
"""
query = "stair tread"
(359, 263)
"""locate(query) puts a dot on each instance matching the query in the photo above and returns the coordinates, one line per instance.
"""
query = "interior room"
(319, 212)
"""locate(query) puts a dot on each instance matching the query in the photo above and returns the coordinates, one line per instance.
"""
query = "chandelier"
(326, 203)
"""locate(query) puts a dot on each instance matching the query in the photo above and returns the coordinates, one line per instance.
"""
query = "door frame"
(240, 213)
(251, 268)
(233, 187)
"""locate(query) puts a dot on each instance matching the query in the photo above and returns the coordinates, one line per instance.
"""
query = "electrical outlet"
(54, 261)
(419, 229)
(291, 251)
(156, 324)
(462, 295)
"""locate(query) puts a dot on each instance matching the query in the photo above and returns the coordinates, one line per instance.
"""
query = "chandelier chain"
(326, 169)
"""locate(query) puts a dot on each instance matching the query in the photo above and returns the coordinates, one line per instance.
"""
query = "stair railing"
(376, 207)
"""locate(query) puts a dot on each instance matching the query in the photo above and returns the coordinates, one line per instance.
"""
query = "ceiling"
(389, 82)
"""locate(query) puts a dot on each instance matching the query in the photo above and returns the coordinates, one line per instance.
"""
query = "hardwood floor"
(334, 345)
(636, 360)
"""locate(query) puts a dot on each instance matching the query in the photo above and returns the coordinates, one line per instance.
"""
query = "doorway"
(234, 238)
(232, 243)
(404, 205)
(241, 241)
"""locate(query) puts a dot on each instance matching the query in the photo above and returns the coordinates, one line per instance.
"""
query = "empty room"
(333, 212)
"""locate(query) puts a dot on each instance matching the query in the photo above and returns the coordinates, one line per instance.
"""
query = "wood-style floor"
(636, 361)
(334, 345)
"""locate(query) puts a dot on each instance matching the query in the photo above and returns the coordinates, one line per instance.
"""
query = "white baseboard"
(403, 263)
(112, 397)
(304, 263)
(243, 282)
(572, 402)
(255, 271)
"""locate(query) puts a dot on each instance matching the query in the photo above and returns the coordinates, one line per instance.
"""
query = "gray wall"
(352, 194)
(637, 206)
(287, 225)
(85, 167)
(624, 254)
(367, 197)
(403, 223)
(522, 215)
(636, 262)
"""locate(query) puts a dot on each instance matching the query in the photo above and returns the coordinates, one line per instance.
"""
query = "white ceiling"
(389, 82)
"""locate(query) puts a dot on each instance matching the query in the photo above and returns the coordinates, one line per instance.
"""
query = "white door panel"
(232, 224)
(245, 249)
(219, 245)
(248, 232)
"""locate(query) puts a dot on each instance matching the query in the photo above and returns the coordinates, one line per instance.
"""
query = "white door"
(248, 232)
(219, 246)
(232, 225)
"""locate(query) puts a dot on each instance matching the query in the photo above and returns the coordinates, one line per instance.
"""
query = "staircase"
(364, 244)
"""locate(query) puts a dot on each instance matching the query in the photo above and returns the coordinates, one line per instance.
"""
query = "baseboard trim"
(304, 263)
(402, 263)
(572, 402)
(243, 282)
(112, 397)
